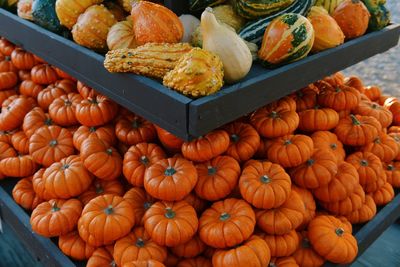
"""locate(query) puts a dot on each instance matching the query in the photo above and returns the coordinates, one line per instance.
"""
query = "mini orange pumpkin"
(383, 195)
(24, 194)
(35, 119)
(384, 147)
(190, 249)
(305, 255)
(62, 109)
(171, 142)
(8, 80)
(194, 262)
(105, 133)
(20, 142)
(101, 187)
(132, 129)
(101, 110)
(328, 141)
(19, 166)
(339, 97)
(318, 119)
(13, 112)
(44, 74)
(46, 96)
(392, 171)
(373, 92)
(306, 98)
(22, 59)
(365, 213)
(282, 245)
(356, 130)
(309, 204)
(102, 256)
(73, 246)
(29, 88)
(344, 207)
(382, 114)
(140, 202)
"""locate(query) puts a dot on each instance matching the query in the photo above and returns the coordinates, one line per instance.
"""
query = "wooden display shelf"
(182, 116)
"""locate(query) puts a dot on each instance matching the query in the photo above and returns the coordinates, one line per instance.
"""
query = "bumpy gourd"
(24, 9)
(92, 27)
(198, 73)
(153, 60)
(231, 49)
(121, 36)
(327, 32)
(328, 5)
(253, 9)
(68, 11)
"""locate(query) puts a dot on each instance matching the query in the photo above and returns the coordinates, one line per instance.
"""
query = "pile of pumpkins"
(119, 190)
(273, 32)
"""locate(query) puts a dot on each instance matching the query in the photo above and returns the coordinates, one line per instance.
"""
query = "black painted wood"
(178, 6)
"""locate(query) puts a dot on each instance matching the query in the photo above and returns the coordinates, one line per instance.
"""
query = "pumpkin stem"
(67, 102)
(317, 107)
(339, 231)
(377, 140)
(147, 205)
(139, 243)
(364, 162)
(169, 214)
(170, 171)
(224, 216)
(235, 138)
(274, 115)
(93, 101)
(7, 58)
(113, 264)
(338, 90)
(136, 124)
(99, 188)
(54, 207)
(272, 264)
(265, 179)
(333, 146)
(305, 243)
(355, 120)
(109, 210)
(374, 106)
(211, 170)
(109, 151)
(65, 166)
(48, 122)
(310, 162)
(92, 129)
(390, 167)
(53, 143)
(287, 142)
(144, 160)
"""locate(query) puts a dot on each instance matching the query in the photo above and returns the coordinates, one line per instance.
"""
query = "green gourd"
(199, 5)
(254, 9)
(44, 14)
(380, 15)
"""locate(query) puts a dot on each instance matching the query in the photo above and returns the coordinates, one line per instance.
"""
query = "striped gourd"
(288, 38)
(253, 31)
(329, 5)
(254, 9)
(199, 5)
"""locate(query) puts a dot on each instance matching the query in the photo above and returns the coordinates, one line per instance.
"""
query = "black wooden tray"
(176, 113)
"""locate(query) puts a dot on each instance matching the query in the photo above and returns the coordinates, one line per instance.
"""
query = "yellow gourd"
(224, 42)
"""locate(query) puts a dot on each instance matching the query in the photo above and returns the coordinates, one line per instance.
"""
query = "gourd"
(231, 49)
(121, 36)
(190, 24)
(197, 73)
(133, 60)
(380, 15)
(226, 14)
(24, 9)
(44, 14)
(68, 11)
(253, 31)
(327, 32)
(253, 9)
(199, 5)
(8, 4)
(328, 5)
(275, 52)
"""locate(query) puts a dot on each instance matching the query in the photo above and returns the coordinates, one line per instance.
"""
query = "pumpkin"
(6, 65)
(274, 121)
(253, 252)
(222, 217)
(300, 38)
(327, 32)
(330, 239)
(140, 202)
(328, 141)
(194, 262)
(43, 74)
(318, 119)
(20, 142)
(365, 213)
(206, 147)
(392, 171)
(73, 246)
(352, 17)
(356, 130)
(265, 185)
(46, 96)
(384, 147)
(370, 170)
(382, 114)
(101, 110)
(69, 11)
(171, 142)
(339, 97)
(263, 148)
(62, 109)
(306, 98)
(344, 207)
(66, 178)
(22, 59)
(38, 185)
(133, 129)
(190, 249)
(6, 150)
(393, 105)
(309, 204)
(355, 82)
(178, 217)
(5, 136)
(35, 119)
(101, 159)
(8, 80)
(373, 92)
(137, 246)
(341, 186)
(101, 187)
(50, 144)
(105, 133)
(24, 75)
(283, 262)
(63, 75)
(305, 255)
(290, 150)
(334, 79)
(67, 85)
(6, 94)
(170, 179)
(317, 171)
(91, 37)
(19, 166)
(217, 177)
(6, 47)
(121, 35)
(112, 214)
(244, 141)
(283, 219)
(196, 202)
(282, 245)
(146, 263)
(383, 195)
(102, 256)
(154, 23)
(85, 91)
(30, 88)
(24, 194)
(65, 212)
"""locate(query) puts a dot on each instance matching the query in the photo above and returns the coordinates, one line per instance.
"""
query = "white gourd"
(231, 49)
(190, 23)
